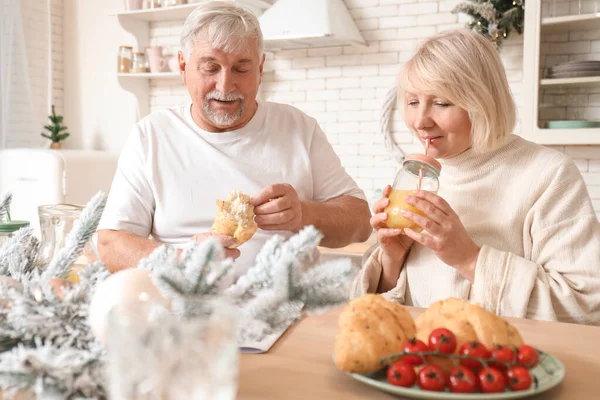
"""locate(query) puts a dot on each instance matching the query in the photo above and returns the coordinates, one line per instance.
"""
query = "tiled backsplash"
(344, 87)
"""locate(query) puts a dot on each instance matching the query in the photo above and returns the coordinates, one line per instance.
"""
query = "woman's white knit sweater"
(528, 209)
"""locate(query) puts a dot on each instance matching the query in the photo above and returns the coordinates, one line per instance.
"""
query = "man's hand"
(278, 208)
(226, 241)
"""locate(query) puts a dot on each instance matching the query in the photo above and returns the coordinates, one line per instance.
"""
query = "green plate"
(573, 124)
(549, 373)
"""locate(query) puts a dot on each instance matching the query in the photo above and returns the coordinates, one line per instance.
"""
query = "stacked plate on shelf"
(574, 69)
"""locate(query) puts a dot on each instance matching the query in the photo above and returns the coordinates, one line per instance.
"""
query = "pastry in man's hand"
(235, 217)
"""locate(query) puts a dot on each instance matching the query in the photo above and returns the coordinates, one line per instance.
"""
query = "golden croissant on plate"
(371, 327)
(235, 217)
(468, 322)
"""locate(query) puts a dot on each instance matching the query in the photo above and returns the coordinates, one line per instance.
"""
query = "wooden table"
(357, 249)
(299, 366)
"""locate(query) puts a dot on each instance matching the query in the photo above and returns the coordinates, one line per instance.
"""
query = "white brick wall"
(56, 19)
(344, 87)
(30, 44)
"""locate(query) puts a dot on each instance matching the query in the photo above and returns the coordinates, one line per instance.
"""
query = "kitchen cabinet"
(550, 37)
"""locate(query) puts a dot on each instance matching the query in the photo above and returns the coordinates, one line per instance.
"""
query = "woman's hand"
(447, 236)
(393, 244)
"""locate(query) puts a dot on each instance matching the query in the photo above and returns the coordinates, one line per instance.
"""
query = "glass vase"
(155, 353)
(56, 221)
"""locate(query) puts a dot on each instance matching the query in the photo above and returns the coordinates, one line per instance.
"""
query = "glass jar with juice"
(418, 172)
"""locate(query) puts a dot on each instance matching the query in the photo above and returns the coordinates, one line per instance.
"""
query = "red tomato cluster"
(506, 367)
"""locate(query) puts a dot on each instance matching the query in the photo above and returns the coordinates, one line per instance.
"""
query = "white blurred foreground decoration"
(187, 352)
(183, 336)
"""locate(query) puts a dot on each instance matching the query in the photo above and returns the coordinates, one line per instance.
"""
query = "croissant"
(235, 217)
(468, 322)
(371, 327)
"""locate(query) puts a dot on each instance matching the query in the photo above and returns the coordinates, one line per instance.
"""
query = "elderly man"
(178, 161)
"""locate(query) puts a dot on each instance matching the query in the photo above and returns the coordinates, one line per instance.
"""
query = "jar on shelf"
(8, 229)
(139, 63)
(132, 5)
(152, 3)
(418, 172)
(124, 59)
(169, 3)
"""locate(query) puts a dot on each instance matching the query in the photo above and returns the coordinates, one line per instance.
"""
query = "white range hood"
(292, 24)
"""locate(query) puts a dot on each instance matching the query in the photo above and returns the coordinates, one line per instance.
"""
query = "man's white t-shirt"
(171, 172)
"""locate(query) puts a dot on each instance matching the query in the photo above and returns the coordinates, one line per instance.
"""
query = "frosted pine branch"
(284, 282)
(82, 231)
(5, 200)
(162, 257)
(47, 370)
(19, 254)
(198, 262)
(486, 10)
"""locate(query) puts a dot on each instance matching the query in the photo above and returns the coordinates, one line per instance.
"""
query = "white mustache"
(216, 95)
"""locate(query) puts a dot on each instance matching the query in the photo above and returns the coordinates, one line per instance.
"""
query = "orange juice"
(397, 203)
(73, 275)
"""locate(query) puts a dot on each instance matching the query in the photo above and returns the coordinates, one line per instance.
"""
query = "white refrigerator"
(42, 176)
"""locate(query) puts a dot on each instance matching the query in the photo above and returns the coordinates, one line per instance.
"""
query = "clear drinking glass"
(56, 221)
(155, 353)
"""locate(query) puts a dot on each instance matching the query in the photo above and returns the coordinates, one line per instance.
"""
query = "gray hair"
(225, 23)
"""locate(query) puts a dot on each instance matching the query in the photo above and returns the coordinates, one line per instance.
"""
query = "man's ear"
(261, 68)
(182, 64)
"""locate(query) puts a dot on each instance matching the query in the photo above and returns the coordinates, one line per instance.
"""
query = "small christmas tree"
(494, 18)
(55, 129)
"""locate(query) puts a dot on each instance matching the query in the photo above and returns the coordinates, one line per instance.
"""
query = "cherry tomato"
(431, 377)
(491, 380)
(504, 354)
(527, 356)
(442, 340)
(462, 380)
(413, 346)
(475, 350)
(519, 378)
(401, 374)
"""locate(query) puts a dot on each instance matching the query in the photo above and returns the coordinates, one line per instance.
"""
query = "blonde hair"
(465, 68)
(225, 23)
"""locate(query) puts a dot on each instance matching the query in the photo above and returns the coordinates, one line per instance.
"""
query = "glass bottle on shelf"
(139, 63)
(152, 3)
(124, 59)
(169, 3)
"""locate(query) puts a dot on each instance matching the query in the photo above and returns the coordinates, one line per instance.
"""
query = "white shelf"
(150, 75)
(180, 12)
(583, 136)
(573, 82)
(571, 23)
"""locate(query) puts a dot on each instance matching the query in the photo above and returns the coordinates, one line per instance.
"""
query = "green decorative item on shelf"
(494, 19)
(572, 124)
(56, 129)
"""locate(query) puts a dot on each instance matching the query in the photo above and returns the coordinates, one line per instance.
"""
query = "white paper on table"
(264, 345)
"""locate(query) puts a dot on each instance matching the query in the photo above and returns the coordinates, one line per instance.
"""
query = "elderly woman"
(513, 227)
